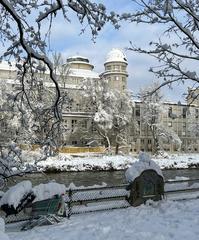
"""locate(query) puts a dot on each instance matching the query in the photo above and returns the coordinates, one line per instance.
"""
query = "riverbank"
(68, 163)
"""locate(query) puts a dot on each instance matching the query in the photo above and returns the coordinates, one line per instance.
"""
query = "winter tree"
(152, 112)
(113, 112)
(24, 40)
(177, 48)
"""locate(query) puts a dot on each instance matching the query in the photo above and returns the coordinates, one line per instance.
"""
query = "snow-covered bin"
(145, 181)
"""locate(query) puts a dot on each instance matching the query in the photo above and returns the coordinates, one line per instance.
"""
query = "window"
(170, 112)
(197, 113)
(149, 141)
(184, 112)
(93, 128)
(108, 68)
(142, 141)
(73, 124)
(74, 142)
(137, 112)
(65, 123)
(84, 124)
(116, 67)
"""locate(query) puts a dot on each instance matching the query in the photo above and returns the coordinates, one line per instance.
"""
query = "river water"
(91, 178)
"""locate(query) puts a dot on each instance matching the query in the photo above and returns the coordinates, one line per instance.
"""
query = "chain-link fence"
(84, 200)
(95, 199)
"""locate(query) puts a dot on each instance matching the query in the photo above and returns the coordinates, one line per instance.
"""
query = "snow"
(14, 195)
(64, 162)
(48, 190)
(165, 220)
(88, 161)
(144, 163)
(116, 55)
(3, 236)
(83, 73)
(42, 191)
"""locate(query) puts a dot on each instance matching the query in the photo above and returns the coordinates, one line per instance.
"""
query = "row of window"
(173, 115)
(185, 112)
(116, 78)
(116, 67)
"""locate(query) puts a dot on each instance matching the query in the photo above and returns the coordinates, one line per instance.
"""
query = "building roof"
(5, 66)
(83, 73)
(77, 58)
(116, 55)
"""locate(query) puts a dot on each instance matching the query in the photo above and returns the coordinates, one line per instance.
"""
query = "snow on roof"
(61, 85)
(83, 73)
(14, 195)
(116, 55)
(78, 56)
(144, 163)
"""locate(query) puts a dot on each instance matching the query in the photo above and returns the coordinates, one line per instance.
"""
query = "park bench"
(48, 211)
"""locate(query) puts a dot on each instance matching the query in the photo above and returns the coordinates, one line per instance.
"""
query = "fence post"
(70, 193)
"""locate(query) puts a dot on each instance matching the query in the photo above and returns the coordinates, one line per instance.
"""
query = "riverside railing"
(93, 199)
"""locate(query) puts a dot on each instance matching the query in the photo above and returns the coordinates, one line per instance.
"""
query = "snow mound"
(144, 163)
(48, 190)
(14, 195)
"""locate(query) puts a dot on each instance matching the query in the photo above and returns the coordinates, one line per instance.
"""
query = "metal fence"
(93, 199)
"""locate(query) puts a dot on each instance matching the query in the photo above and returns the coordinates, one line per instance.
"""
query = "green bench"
(44, 212)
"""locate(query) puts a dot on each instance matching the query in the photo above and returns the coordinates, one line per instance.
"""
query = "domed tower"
(79, 69)
(79, 62)
(115, 70)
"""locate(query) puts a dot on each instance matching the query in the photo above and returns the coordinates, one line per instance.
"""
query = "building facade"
(181, 118)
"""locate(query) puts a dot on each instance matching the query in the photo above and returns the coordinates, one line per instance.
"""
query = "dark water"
(91, 178)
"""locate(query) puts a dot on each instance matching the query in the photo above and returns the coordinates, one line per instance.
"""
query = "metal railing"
(93, 199)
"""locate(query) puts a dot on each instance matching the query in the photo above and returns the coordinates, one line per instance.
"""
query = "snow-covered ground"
(65, 162)
(165, 220)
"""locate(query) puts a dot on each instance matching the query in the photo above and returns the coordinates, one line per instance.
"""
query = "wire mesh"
(95, 199)
(85, 200)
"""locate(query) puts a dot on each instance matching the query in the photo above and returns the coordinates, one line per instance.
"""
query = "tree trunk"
(117, 148)
(108, 145)
(156, 145)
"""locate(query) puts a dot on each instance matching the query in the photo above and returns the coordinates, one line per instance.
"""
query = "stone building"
(179, 117)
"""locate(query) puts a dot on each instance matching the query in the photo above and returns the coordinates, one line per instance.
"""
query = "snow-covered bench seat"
(16, 198)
